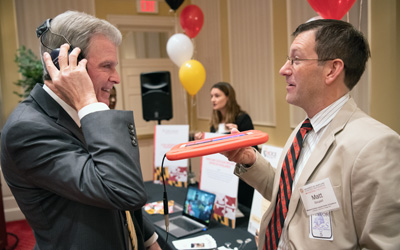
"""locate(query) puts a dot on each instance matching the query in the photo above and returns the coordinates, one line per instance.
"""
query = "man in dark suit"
(71, 163)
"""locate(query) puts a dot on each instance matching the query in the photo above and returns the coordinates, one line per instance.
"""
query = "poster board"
(165, 137)
(260, 204)
(217, 177)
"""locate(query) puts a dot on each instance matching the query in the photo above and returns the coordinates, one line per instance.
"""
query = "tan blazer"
(361, 157)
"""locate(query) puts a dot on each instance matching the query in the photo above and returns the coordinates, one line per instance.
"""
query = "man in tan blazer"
(345, 191)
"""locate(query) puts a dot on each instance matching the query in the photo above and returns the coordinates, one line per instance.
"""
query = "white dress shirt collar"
(325, 116)
(71, 111)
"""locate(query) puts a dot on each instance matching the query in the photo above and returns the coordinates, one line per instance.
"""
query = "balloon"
(331, 9)
(192, 76)
(180, 48)
(314, 18)
(174, 4)
(191, 20)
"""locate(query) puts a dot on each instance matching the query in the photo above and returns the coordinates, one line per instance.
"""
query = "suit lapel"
(66, 121)
(55, 111)
(320, 151)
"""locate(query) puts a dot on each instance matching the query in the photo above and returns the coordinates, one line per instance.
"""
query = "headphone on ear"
(41, 30)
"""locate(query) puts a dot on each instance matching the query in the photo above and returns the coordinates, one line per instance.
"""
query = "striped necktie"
(274, 229)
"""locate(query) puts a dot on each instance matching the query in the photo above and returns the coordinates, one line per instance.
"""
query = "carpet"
(19, 236)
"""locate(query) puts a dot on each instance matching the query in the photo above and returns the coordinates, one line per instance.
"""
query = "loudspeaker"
(156, 95)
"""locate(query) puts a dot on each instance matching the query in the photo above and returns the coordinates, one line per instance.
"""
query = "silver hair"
(77, 29)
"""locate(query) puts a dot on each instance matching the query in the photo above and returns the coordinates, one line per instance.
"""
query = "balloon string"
(193, 103)
(176, 22)
(194, 48)
(360, 15)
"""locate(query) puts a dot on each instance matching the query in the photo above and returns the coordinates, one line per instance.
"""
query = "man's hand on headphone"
(72, 82)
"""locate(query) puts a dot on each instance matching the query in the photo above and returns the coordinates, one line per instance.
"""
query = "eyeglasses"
(292, 60)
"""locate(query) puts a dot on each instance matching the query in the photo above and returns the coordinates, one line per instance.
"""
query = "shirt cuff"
(94, 107)
(151, 240)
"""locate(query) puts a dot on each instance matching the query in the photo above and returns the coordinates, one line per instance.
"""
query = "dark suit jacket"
(71, 183)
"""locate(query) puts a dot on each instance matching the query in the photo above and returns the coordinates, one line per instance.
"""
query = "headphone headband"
(43, 28)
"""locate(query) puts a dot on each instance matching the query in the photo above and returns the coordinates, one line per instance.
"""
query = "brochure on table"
(260, 205)
(217, 177)
(165, 137)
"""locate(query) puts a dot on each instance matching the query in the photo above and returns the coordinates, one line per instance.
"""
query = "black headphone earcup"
(54, 56)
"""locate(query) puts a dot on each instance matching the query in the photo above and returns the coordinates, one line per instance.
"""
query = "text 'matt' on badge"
(319, 197)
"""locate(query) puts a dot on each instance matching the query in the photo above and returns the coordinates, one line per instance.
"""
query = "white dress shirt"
(319, 123)
(77, 116)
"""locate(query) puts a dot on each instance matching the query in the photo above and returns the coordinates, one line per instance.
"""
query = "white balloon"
(180, 48)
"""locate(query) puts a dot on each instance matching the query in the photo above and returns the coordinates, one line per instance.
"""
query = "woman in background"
(226, 115)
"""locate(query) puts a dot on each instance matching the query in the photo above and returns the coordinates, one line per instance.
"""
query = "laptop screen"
(199, 205)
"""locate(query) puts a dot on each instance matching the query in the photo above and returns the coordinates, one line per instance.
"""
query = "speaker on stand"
(156, 96)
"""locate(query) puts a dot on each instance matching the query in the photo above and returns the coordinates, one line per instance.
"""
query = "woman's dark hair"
(232, 107)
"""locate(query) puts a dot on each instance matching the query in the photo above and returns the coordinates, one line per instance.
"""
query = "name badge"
(319, 197)
(321, 226)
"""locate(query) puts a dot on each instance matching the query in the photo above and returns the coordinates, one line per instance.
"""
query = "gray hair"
(77, 29)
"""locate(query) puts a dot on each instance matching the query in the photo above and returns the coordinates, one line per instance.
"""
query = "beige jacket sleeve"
(260, 175)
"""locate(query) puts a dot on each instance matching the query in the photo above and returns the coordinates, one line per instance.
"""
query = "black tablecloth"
(219, 232)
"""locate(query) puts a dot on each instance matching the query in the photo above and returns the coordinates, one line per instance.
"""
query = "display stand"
(217, 177)
(260, 204)
(175, 172)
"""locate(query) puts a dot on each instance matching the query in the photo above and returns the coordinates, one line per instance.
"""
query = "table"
(219, 232)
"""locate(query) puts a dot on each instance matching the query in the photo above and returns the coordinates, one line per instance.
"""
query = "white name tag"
(318, 197)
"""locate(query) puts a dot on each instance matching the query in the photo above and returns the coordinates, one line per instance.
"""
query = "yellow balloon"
(192, 75)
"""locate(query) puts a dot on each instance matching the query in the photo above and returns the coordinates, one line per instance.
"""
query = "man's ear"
(335, 69)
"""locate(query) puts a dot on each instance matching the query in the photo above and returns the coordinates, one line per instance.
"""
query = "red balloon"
(191, 20)
(331, 9)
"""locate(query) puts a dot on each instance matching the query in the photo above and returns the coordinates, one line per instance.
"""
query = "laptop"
(196, 215)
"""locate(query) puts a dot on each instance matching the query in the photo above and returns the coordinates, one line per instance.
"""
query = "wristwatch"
(242, 168)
